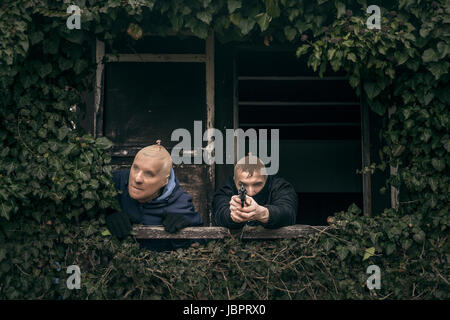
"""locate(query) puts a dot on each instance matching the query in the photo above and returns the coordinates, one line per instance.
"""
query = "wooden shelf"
(294, 104)
(287, 78)
(310, 124)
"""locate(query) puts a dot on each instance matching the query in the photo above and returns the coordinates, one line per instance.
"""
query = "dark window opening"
(319, 123)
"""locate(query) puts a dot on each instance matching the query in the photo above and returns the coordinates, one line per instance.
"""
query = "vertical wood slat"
(365, 148)
(210, 107)
(98, 96)
(393, 172)
(235, 105)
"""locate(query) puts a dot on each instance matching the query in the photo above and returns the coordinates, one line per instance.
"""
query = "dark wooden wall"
(142, 105)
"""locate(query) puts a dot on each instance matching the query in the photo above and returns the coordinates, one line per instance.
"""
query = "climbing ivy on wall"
(55, 179)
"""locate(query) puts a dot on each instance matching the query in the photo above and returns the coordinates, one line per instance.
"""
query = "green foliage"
(55, 180)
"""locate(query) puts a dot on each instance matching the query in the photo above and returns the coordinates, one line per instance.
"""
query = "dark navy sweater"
(278, 196)
(173, 199)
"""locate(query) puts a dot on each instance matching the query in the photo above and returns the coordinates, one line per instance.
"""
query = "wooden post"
(210, 106)
(98, 96)
(393, 171)
(365, 148)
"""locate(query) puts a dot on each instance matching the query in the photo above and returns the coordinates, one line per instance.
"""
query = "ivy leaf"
(40, 173)
(103, 143)
(75, 36)
(438, 69)
(438, 164)
(5, 209)
(62, 133)
(401, 57)
(65, 64)
(36, 37)
(368, 253)
(340, 9)
(290, 33)
(351, 56)
(272, 8)
(429, 55)
(44, 70)
(443, 49)
(371, 89)
(263, 20)
(419, 236)
(397, 150)
(446, 143)
(106, 233)
(233, 5)
(328, 244)
(302, 50)
(79, 66)
(342, 252)
(89, 195)
(390, 248)
(24, 44)
(204, 16)
(246, 25)
(134, 31)
(406, 244)
(236, 18)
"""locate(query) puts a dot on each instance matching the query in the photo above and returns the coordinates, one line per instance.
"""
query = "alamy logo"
(74, 20)
(373, 22)
(374, 281)
(185, 150)
(73, 281)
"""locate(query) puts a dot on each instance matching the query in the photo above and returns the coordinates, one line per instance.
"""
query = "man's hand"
(118, 224)
(174, 222)
(252, 210)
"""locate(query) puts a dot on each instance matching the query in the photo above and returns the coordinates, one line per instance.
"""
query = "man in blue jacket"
(151, 195)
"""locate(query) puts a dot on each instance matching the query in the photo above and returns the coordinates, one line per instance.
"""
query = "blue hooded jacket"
(173, 199)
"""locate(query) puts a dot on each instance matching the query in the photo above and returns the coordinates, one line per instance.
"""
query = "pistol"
(242, 193)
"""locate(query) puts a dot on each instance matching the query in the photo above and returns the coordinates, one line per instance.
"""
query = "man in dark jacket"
(151, 195)
(271, 201)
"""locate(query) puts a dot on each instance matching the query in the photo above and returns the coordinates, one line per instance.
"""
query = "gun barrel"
(242, 193)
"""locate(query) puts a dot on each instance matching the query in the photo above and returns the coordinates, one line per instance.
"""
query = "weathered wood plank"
(157, 232)
(98, 93)
(365, 147)
(148, 57)
(154, 232)
(289, 232)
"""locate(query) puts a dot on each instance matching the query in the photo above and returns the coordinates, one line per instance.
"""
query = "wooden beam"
(295, 104)
(210, 108)
(393, 171)
(288, 78)
(98, 95)
(147, 57)
(259, 232)
(365, 148)
(154, 232)
(289, 232)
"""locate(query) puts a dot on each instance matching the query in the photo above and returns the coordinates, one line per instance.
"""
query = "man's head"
(149, 173)
(250, 171)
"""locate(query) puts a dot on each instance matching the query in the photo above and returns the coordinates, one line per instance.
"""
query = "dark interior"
(319, 124)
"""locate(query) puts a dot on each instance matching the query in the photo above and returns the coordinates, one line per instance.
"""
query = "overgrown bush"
(55, 180)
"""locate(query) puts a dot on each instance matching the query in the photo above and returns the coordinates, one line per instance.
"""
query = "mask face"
(145, 180)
